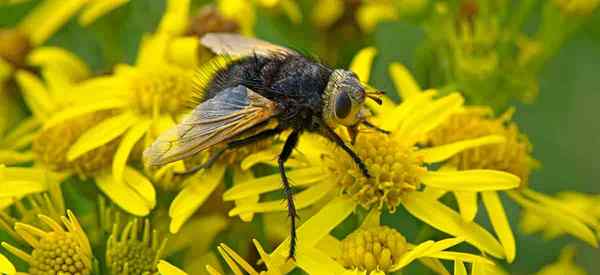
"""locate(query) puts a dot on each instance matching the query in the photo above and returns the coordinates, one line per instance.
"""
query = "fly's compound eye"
(343, 105)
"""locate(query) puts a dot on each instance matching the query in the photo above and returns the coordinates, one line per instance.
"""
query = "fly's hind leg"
(232, 145)
(288, 147)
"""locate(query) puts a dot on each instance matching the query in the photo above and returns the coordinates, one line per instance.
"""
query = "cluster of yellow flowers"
(80, 128)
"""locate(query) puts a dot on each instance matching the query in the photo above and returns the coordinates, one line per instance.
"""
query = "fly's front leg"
(372, 126)
(288, 147)
(331, 135)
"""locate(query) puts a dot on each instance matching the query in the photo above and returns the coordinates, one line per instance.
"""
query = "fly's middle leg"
(288, 147)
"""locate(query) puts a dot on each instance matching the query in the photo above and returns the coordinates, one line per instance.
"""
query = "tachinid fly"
(263, 85)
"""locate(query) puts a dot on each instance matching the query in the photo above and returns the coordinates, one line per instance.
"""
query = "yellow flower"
(135, 249)
(398, 167)
(50, 15)
(133, 103)
(62, 73)
(565, 264)
(513, 156)
(64, 248)
(370, 249)
(573, 213)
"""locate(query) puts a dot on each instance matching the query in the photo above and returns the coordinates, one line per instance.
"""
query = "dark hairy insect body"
(295, 82)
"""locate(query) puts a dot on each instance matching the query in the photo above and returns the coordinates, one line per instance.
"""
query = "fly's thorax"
(343, 99)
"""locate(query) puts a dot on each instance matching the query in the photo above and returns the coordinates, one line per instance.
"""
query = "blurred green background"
(561, 123)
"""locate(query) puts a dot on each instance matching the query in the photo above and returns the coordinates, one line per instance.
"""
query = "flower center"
(51, 145)
(167, 90)
(376, 248)
(58, 253)
(129, 253)
(394, 167)
(132, 257)
(513, 156)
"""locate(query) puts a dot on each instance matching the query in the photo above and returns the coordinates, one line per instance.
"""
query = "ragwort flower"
(370, 249)
(513, 156)
(398, 166)
(64, 248)
(121, 109)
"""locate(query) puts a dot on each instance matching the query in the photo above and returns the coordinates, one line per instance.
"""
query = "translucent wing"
(223, 117)
(237, 45)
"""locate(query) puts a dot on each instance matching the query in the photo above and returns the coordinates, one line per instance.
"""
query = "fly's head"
(344, 99)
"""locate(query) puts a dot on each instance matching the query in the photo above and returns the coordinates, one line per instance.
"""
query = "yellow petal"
(487, 269)
(443, 245)
(559, 218)
(265, 156)
(243, 12)
(165, 268)
(129, 140)
(97, 8)
(196, 191)
(175, 18)
(101, 134)
(435, 265)
(153, 50)
(411, 255)
(135, 195)
(257, 186)
(61, 60)
(211, 270)
(303, 199)
(35, 94)
(6, 70)
(446, 151)
(500, 223)
(405, 84)
(330, 245)
(467, 204)
(240, 176)
(314, 261)
(264, 256)
(362, 62)
(326, 12)
(47, 17)
(459, 268)
(422, 121)
(397, 115)
(465, 257)
(320, 224)
(75, 111)
(6, 267)
(11, 157)
(554, 203)
(447, 220)
(184, 52)
(238, 259)
(369, 15)
(471, 180)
